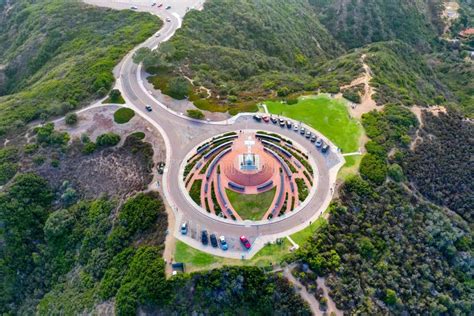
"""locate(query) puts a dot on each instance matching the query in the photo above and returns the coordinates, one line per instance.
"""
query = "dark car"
(288, 124)
(257, 118)
(313, 138)
(214, 241)
(274, 120)
(148, 108)
(168, 7)
(161, 167)
(245, 242)
(204, 238)
(325, 148)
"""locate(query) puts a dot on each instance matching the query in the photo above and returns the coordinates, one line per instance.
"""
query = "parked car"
(288, 124)
(282, 122)
(308, 134)
(184, 228)
(148, 108)
(313, 138)
(296, 128)
(257, 117)
(223, 243)
(266, 119)
(161, 167)
(319, 143)
(160, 5)
(274, 120)
(153, 4)
(325, 148)
(168, 7)
(302, 131)
(168, 20)
(214, 241)
(245, 242)
(134, 7)
(204, 237)
(157, 35)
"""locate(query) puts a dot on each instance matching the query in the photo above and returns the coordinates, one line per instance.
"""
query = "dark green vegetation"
(195, 114)
(386, 248)
(234, 291)
(60, 55)
(195, 191)
(440, 167)
(123, 115)
(240, 50)
(115, 97)
(356, 23)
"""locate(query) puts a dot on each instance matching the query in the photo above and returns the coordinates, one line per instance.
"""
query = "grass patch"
(197, 260)
(193, 257)
(326, 115)
(123, 115)
(351, 167)
(251, 206)
(139, 135)
(301, 236)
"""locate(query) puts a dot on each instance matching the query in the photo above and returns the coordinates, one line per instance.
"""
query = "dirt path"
(450, 14)
(301, 289)
(367, 103)
(310, 298)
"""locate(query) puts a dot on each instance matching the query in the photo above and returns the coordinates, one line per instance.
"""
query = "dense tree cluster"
(358, 23)
(386, 251)
(441, 166)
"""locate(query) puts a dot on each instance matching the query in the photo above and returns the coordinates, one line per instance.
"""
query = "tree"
(178, 88)
(71, 119)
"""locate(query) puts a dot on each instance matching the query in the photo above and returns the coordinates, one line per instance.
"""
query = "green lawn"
(326, 115)
(351, 167)
(123, 115)
(301, 236)
(251, 206)
(193, 257)
(196, 260)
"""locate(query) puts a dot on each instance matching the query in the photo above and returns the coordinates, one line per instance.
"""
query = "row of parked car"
(215, 242)
(319, 143)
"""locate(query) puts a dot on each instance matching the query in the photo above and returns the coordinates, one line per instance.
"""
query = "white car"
(157, 35)
(134, 7)
(168, 20)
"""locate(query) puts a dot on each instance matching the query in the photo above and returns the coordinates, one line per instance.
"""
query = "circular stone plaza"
(249, 175)
(255, 179)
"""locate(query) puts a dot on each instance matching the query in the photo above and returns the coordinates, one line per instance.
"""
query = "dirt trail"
(450, 14)
(417, 110)
(367, 102)
(310, 298)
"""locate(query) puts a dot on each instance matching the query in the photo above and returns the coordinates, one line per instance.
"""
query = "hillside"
(245, 49)
(356, 23)
(60, 55)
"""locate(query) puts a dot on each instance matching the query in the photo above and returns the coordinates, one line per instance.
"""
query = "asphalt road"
(182, 135)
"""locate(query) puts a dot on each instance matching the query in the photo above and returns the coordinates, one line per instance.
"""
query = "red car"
(245, 242)
(266, 119)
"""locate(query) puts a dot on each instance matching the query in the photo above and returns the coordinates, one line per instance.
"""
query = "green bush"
(108, 139)
(89, 148)
(195, 114)
(123, 115)
(373, 168)
(71, 119)
(115, 97)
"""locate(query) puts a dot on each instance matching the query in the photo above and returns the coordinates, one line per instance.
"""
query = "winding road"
(182, 134)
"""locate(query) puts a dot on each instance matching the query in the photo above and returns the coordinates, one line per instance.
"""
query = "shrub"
(196, 114)
(115, 97)
(395, 172)
(108, 139)
(373, 168)
(89, 148)
(178, 88)
(123, 115)
(71, 119)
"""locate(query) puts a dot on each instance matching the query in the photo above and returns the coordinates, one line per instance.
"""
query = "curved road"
(182, 135)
